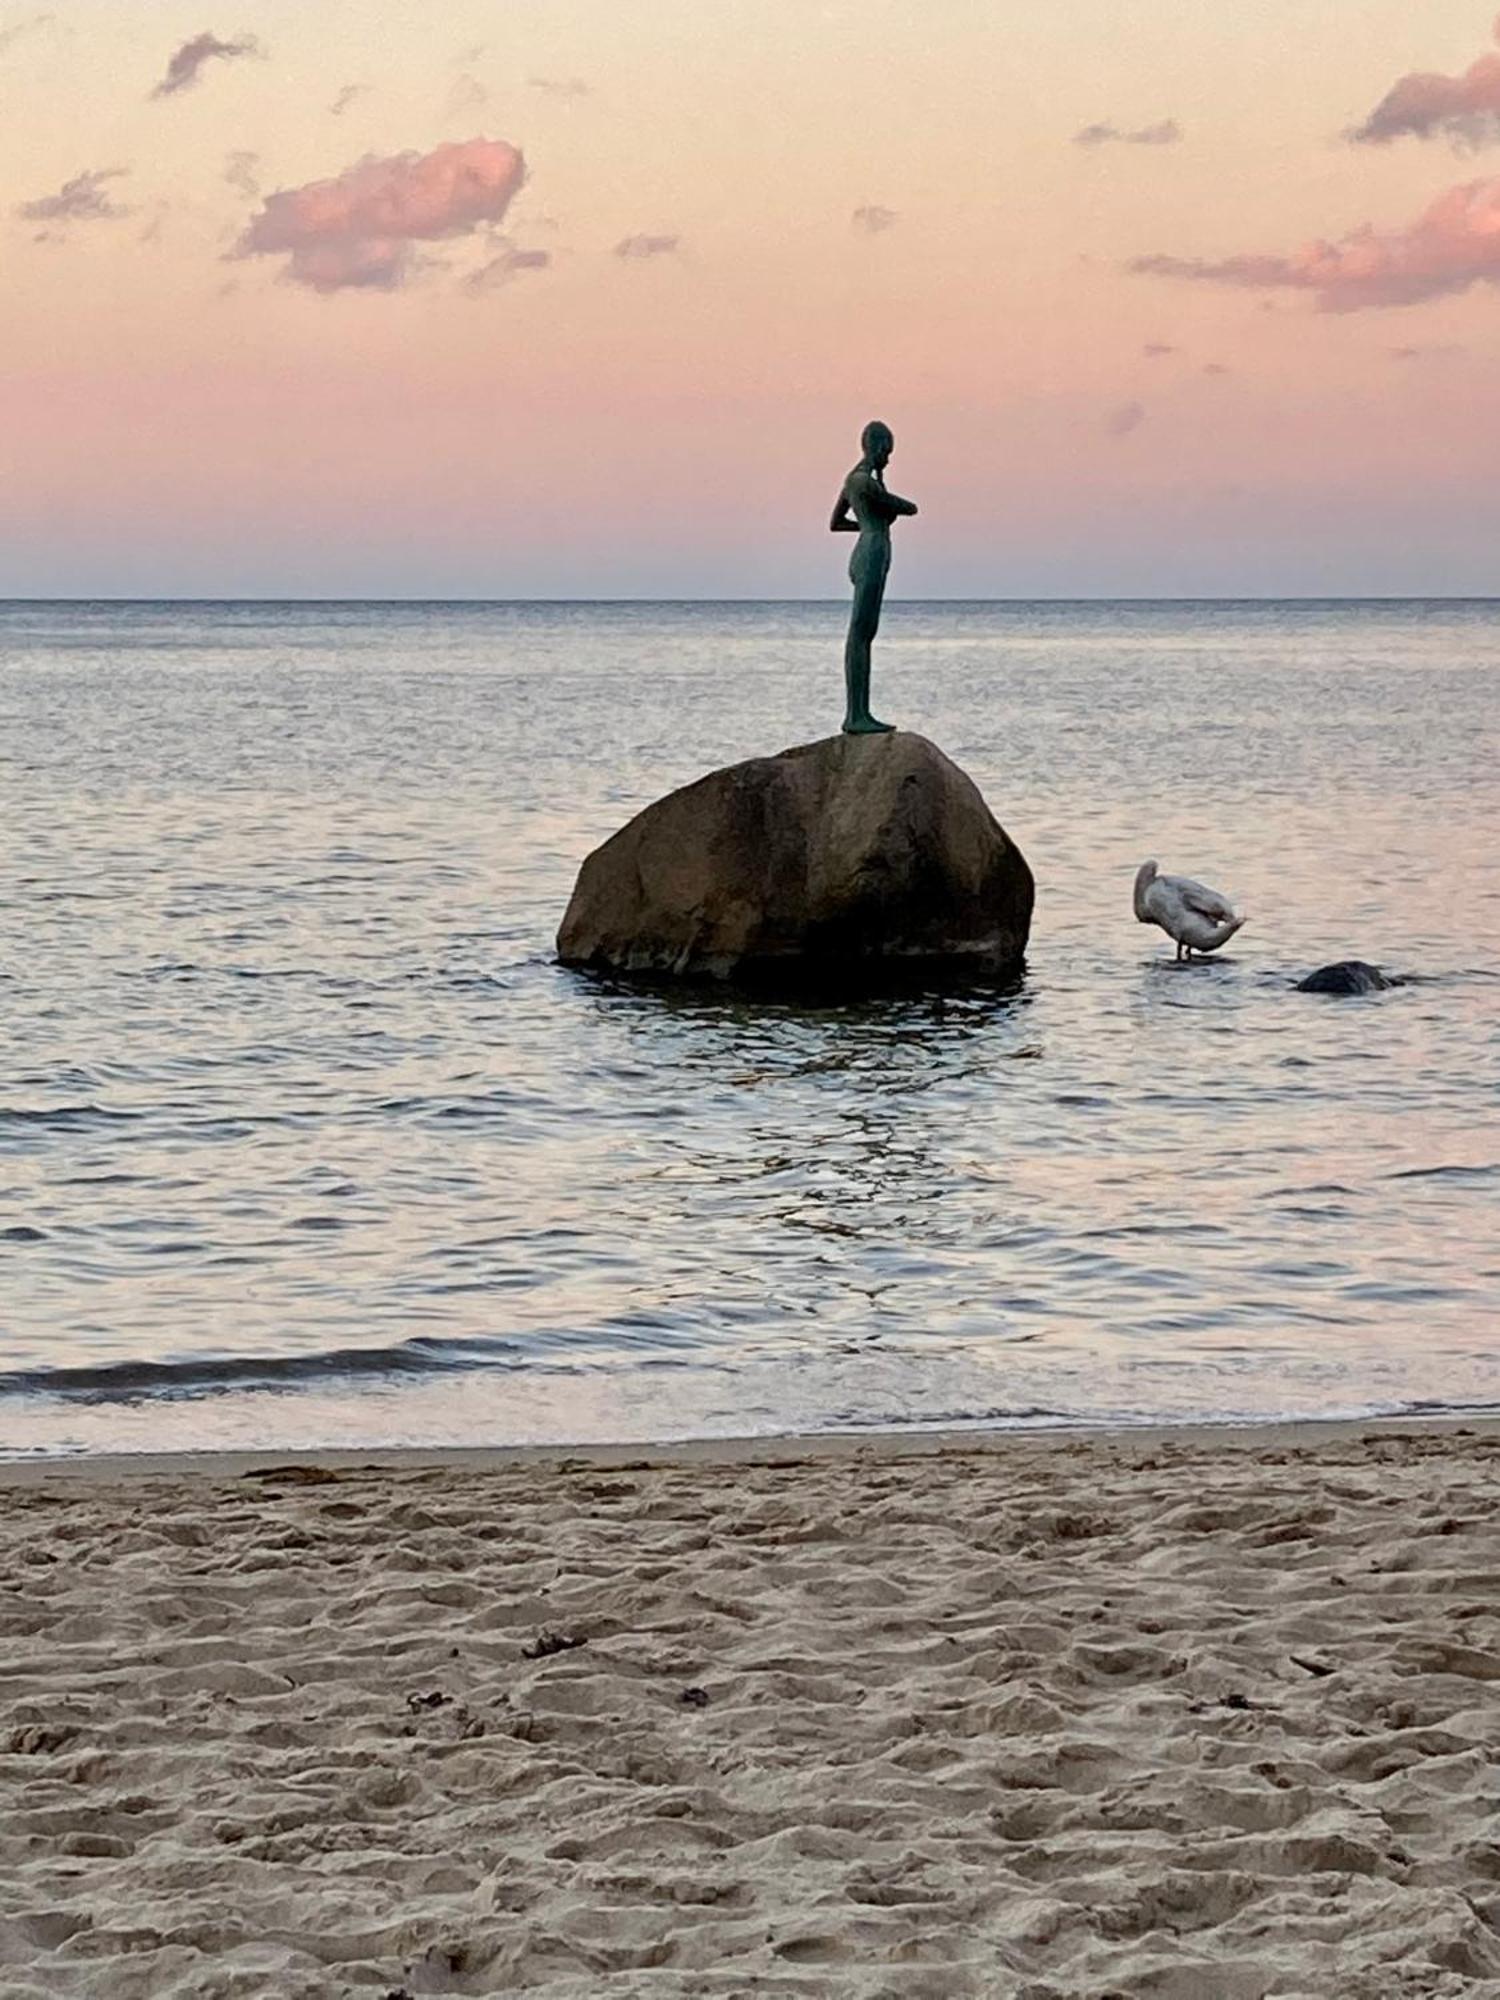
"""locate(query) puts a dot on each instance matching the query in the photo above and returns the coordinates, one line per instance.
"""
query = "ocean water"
(305, 1139)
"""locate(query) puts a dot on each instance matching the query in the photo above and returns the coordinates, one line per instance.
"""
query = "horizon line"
(1258, 597)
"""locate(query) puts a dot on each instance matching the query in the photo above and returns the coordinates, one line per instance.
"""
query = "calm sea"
(304, 1138)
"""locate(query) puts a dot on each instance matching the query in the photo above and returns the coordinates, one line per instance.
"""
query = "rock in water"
(1350, 975)
(847, 860)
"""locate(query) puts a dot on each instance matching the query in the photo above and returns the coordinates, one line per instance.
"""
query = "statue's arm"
(841, 521)
(896, 504)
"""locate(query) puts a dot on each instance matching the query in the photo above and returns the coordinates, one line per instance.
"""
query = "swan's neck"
(1145, 875)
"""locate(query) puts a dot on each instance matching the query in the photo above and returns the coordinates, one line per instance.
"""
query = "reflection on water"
(304, 1138)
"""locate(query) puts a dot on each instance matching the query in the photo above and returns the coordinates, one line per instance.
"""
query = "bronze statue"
(866, 509)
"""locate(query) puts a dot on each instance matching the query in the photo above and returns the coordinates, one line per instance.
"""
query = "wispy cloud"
(504, 268)
(1167, 133)
(350, 94)
(1436, 350)
(647, 246)
(467, 97)
(1453, 245)
(242, 172)
(1127, 418)
(188, 62)
(1426, 105)
(358, 231)
(82, 199)
(560, 86)
(1216, 368)
(872, 219)
(17, 29)
(1155, 350)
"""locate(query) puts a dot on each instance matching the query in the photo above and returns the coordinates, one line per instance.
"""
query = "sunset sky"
(504, 298)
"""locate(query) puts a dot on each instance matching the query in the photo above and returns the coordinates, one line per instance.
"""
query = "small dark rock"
(549, 1643)
(434, 1698)
(1349, 976)
(695, 1697)
(1236, 1700)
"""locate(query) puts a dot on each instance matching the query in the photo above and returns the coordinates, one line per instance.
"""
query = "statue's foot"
(866, 725)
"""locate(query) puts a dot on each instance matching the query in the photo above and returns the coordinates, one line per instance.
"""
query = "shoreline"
(784, 1448)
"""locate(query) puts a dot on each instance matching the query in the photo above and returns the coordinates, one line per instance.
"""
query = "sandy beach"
(1210, 1716)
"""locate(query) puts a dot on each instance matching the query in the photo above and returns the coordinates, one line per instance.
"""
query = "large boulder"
(850, 860)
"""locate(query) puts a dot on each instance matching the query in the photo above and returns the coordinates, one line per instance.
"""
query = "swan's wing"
(1156, 904)
(1206, 902)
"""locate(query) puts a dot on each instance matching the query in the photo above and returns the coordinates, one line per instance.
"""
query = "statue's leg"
(864, 623)
(856, 677)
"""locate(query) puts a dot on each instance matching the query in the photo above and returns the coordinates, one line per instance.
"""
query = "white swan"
(1198, 919)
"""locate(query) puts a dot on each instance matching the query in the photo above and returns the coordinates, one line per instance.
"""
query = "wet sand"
(1201, 1715)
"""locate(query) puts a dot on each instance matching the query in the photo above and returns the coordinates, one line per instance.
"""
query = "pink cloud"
(872, 219)
(188, 61)
(1466, 109)
(1453, 244)
(1129, 417)
(357, 231)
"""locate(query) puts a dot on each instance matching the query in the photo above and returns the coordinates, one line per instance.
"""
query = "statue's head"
(877, 444)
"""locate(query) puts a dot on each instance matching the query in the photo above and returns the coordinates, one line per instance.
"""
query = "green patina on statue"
(866, 509)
